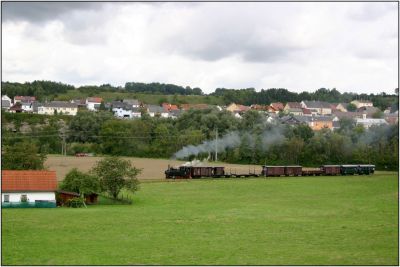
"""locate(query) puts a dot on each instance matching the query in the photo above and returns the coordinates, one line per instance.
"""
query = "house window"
(24, 198)
(6, 198)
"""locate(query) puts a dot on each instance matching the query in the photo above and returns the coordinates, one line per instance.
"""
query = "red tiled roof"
(25, 98)
(243, 108)
(294, 104)
(95, 99)
(44, 181)
(277, 106)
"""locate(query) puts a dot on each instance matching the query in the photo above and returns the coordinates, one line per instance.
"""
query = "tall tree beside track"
(115, 174)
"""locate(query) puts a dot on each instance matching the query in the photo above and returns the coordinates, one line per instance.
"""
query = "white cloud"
(299, 46)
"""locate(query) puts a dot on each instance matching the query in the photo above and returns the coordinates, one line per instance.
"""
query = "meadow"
(343, 220)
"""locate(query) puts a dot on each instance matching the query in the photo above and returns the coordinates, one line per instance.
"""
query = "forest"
(250, 140)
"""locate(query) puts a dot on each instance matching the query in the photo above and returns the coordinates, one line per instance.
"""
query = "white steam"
(232, 140)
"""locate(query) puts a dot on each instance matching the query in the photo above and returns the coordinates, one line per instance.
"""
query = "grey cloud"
(39, 12)
(372, 10)
(245, 31)
(250, 52)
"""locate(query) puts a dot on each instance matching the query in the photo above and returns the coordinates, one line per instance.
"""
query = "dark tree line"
(251, 96)
(161, 88)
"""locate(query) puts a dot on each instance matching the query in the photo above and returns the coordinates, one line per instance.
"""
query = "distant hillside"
(156, 93)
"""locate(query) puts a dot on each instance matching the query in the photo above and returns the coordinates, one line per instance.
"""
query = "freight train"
(189, 172)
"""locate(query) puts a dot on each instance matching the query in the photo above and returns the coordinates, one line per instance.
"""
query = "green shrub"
(75, 202)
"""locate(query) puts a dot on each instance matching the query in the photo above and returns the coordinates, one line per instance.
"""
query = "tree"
(102, 106)
(22, 156)
(115, 174)
(80, 182)
(351, 107)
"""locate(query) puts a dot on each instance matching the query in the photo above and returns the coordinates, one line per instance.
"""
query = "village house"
(81, 103)
(306, 112)
(341, 107)
(16, 108)
(348, 115)
(134, 103)
(320, 122)
(295, 111)
(291, 106)
(93, 103)
(271, 109)
(237, 108)
(369, 110)
(58, 107)
(317, 107)
(26, 99)
(121, 110)
(155, 111)
(368, 122)
(362, 103)
(28, 188)
(295, 120)
(169, 107)
(5, 104)
(6, 98)
(27, 106)
(278, 106)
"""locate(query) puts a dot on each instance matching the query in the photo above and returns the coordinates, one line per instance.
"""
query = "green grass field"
(281, 221)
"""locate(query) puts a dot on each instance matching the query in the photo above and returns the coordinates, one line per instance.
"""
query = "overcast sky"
(298, 46)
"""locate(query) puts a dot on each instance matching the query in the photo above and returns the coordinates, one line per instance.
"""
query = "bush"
(75, 202)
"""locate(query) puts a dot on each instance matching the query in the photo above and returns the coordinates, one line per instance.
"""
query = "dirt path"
(152, 169)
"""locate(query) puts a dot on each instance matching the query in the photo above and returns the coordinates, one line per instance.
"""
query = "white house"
(59, 107)
(125, 110)
(362, 103)
(29, 188)
(5, 104)
(93, 103)
(367, 122)
(27, 106)
(157, 111)
(317, 107)
(5, 97)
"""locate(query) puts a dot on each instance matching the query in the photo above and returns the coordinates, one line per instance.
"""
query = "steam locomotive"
(192, 172)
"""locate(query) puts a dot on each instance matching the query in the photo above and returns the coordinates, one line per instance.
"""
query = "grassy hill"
(350, 220)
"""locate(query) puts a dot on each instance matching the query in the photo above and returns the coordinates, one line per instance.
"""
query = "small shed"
(64, 196)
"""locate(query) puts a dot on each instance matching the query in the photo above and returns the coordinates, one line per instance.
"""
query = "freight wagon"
(189, 172)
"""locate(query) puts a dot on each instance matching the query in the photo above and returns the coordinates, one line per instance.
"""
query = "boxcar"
(349, 169)
(273, 170)
(366, 169)
(330, 169)
(197, 172)
(311, 172)
(293, 170)
(218, 171)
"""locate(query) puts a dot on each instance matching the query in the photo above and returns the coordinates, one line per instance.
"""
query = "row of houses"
(314, 113)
